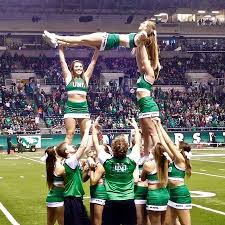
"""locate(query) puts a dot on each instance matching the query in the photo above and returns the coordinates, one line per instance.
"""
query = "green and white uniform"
(119, 181)
(73, 179)
(140, 192)
(98, 194)
(180, 197)
(76, 109)
(157, 199)
(147, 105)
(112, 40)
(55, 197)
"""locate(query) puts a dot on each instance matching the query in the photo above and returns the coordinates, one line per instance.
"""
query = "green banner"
(45, 140)
(198, 137)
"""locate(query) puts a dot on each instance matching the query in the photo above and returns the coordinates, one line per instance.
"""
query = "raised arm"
(135, 153)
(95, 175)
(173, 148)
(85, 172)
(161, 138)
(95, 135)
(90, 69)
(84, 141)
(65, 70)
(136, 51)
(149, 72)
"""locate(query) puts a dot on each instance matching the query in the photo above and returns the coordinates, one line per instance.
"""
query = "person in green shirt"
(103, 40)
(119, 181)
(55, 180)
(149, 68)
(179, 204)
(76, 80)
(97, 178)
(74, 210)
(156, 172)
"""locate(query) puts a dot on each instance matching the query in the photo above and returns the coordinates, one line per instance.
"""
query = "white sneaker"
(50, 38)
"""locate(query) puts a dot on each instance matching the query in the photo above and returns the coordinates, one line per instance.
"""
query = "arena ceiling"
(103, 6)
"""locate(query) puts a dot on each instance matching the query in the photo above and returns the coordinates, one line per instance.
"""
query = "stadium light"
(201, 11)
(215, 12)
(163, 14)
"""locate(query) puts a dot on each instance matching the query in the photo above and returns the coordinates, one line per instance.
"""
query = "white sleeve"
(103, 156)
(134, 155)
(72, 162)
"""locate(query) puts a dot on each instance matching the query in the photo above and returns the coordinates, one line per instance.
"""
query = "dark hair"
(61, 150)
(119, 147)
(184, 147)
(50, 165)
(161, 163)
(107, 148)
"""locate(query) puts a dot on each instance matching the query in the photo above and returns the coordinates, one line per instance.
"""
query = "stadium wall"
(104, 24)
(45, 140)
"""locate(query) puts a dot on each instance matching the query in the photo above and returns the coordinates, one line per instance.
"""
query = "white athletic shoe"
(50, 38)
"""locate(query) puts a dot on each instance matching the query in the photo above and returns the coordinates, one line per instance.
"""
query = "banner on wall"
(28, 141)
(46, 140)
(198, 137)
(188, 137)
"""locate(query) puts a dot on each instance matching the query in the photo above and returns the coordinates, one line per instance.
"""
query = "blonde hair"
(119, 147)
(152, 47)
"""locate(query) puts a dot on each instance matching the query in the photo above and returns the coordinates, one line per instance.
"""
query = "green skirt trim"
(76, 110)
(148, 107)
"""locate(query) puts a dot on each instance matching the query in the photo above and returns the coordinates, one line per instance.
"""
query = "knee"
(69, 133)
(146, 131)
(150, 131)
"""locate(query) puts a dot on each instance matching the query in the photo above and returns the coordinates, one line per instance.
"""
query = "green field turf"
(23, 188)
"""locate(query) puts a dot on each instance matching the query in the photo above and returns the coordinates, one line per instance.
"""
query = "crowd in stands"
(165, 43)
(209, 22)
(17, 110)
(196, 107)
(24, 103)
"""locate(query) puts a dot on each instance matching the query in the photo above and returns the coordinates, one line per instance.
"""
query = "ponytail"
(50, 165)
(152, 48)
(161, 163)
(186, 152)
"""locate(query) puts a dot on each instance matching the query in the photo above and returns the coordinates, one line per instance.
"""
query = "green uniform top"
(143, 84)
(76, 86)
(119, 181)
(153, 178)
(175, 173)
(73, 178)
(58, 181)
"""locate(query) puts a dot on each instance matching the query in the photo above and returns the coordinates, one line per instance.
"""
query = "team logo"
(28, 141)
(120, 167)
(78, 84)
